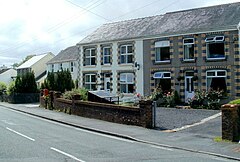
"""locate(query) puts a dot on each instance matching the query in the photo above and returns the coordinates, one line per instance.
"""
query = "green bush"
(26, 83)
(237, 101)
(82, 92)
(11, 88)
(59, 81)
(3, 88)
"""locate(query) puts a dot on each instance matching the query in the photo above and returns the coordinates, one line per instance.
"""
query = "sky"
(30, 27)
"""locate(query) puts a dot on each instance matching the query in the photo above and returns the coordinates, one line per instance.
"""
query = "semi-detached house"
(183, 51)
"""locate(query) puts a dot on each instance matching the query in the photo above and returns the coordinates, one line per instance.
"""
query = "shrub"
(59, 81)
(3, 88)
(26, 83)
(169, 99)
(11, 88)
(237, 101)
(206, 99)
(82, 92)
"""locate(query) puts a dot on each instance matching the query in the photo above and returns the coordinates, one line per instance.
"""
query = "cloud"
(35, 27)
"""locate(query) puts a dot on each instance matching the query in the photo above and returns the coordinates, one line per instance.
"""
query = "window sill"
(189, 61)
(106, 65)
(128, 64)
(163, 62)
(89, 66)
(215, 59)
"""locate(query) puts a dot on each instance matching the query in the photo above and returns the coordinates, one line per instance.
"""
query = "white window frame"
(161, 75)
(215, 75)
(187, 44)
(211, 40)
(161, 44)
(91, 83)
(126, 54)
(126, 80)
(90, 56)
(106, 56)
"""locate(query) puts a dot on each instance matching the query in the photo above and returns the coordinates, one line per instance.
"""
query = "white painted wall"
(6, 77)
(41, 66)
(115, 67)
(65, 65)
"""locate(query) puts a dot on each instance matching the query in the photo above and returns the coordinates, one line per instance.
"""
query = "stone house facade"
(196, 49)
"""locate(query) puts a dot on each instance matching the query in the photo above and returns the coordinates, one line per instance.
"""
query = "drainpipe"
(238, 27)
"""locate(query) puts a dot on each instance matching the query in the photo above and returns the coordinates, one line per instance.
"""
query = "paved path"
(195, 139)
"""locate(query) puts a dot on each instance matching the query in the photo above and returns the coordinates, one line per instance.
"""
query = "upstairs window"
(71, 66)
(162, 51)
(106, 55)
(126, 52)
(90, 56)
(126, 82)
(215, 47)
(188, 45)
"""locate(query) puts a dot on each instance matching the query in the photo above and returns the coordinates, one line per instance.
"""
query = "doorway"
(189, 86)
(107, 82)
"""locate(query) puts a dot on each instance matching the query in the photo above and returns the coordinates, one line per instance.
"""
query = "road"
(27, 138)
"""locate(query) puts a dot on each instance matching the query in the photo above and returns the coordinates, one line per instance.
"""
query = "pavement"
(197, 137)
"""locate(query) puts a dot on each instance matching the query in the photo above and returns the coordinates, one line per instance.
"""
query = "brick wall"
(139, 116)
(231, 122)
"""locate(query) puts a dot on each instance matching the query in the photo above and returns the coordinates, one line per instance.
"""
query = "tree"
(59, 81)
(26, 83)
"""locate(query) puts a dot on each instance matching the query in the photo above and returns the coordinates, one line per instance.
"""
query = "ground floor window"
(163, 81)
(216, 80)
(126, 82)
(90, 81)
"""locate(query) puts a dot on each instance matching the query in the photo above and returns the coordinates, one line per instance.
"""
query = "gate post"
(230, 122)
(146, 113)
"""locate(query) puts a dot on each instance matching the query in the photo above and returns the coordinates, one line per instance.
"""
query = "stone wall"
(231, 122)
(140, 116)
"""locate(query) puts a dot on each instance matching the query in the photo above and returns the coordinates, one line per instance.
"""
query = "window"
(163, 81)
(90, 56)
(52, 68)
(71, 66)
(106, 55)
(90, 81)
(216, 80)
(162, 51)
(126, 52)
(60, 67)
(126, 83)
(215, 47)
(188, 45)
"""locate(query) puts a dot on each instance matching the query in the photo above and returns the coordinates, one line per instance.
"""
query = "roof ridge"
(206, 7)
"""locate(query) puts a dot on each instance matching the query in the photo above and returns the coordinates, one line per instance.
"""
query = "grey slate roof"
(214, 18)
(68, 54)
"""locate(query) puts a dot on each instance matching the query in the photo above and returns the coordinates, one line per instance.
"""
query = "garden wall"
(17, 98)
(140, 116)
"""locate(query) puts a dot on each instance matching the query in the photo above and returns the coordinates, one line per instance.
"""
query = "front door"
(189, 86)
(107, 82)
